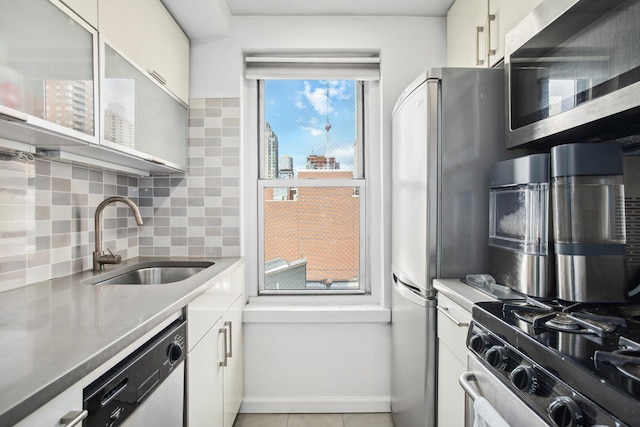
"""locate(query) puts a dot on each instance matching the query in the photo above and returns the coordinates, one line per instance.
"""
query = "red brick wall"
(322, 225)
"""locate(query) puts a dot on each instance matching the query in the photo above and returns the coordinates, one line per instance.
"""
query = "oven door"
(480, 382)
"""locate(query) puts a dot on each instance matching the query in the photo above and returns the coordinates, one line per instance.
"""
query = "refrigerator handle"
(411, 293)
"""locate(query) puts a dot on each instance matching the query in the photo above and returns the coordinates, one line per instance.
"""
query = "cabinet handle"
(445, 312)
(478, 60)
(230, 353)
(491, 18)
(73, 418)
(223, 331)
(158, 77)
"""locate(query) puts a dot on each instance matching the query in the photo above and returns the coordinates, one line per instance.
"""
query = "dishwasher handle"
(73, 418)
(465, 381)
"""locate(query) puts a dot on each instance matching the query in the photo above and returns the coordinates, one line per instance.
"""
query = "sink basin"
(156, 275)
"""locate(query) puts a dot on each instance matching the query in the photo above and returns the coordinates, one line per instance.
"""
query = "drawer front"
(453, 322)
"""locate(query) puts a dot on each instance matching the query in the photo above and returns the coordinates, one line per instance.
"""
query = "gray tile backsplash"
(47, 208)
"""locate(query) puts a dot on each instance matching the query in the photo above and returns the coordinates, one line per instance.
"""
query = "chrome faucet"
(99, 256)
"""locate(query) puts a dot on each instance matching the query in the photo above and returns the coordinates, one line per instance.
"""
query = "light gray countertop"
(461, 293)
(56, 332)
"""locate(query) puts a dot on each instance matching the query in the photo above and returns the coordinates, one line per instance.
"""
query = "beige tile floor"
(314, 420)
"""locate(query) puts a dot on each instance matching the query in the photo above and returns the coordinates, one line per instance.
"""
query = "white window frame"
(356, 182)
(374, 157)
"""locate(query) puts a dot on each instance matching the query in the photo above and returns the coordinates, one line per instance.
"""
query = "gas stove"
(573, 364)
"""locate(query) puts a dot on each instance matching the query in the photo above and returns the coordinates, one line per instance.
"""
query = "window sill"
(256, 312)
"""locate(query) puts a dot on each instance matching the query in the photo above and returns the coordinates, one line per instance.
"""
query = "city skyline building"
(69, 103)
(271, 152)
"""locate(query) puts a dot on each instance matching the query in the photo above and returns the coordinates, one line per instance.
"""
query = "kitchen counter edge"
(461, 293)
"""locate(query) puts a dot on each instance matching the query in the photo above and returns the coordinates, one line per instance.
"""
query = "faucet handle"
(110, 259)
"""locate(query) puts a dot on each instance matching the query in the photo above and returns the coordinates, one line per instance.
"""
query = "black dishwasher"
(146, 388)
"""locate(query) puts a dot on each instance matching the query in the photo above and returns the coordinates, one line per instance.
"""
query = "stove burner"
(563, 323)
(561, 318)
(625, 361)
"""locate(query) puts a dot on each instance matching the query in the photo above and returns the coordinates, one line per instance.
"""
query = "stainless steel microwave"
(572, 73)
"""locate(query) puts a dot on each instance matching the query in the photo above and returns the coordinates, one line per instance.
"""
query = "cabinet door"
(146, 32)
(205, 380)
(453, 322)
(47, 69)
(233, 378)
(50, 414)
(86, 9)
(506, 14)
(451, 396)
(139, 115)
(467, 33)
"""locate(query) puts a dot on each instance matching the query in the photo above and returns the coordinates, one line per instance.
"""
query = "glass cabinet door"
(139, 116)
(48, 67)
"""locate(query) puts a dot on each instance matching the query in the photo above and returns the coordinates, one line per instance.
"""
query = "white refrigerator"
(448, 127)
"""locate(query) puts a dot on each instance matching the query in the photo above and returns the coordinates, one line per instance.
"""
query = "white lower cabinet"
(232, 375)
(59, 411)
(205, 387)
(214, 357)
(453, 321)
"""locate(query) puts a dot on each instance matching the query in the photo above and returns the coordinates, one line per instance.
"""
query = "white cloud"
(317, 98)
(343, 154)
(312, 131)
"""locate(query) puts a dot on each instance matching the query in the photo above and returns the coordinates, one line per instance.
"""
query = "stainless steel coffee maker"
(589, 222)
(520, 253)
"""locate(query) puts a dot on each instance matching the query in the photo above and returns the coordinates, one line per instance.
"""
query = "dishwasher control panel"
(113, 397)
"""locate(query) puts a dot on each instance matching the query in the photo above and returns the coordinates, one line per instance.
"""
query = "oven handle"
(465, 381)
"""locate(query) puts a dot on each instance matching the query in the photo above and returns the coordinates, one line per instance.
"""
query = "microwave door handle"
(465, 381)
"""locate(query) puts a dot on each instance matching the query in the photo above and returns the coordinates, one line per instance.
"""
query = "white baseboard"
(308, 405)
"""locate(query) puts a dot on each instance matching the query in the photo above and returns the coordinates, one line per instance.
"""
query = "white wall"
(329, 366)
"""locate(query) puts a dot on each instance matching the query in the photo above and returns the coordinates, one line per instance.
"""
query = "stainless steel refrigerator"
(448, 127)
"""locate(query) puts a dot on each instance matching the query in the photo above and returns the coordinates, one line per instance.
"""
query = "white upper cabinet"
(139, 116)
(145, 32)
(505, 14)
(86, 9)
(466, 38)
(48, 73)
(476, 30)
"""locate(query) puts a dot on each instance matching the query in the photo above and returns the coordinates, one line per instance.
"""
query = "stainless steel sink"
(156, 274)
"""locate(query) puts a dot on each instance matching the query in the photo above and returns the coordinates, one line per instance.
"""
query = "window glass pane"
(312, 238)
(309, 125)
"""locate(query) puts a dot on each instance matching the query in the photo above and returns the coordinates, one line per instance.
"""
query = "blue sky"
(297, 111)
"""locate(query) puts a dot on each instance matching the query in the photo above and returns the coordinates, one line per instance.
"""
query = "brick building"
(319, 224)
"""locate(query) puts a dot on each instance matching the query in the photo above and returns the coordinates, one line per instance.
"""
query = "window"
(311, 186)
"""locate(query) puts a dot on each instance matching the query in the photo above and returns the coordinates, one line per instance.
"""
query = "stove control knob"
(565, 412)
(174, 352)
(479, 343)
(525, 379)
(497, 357)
